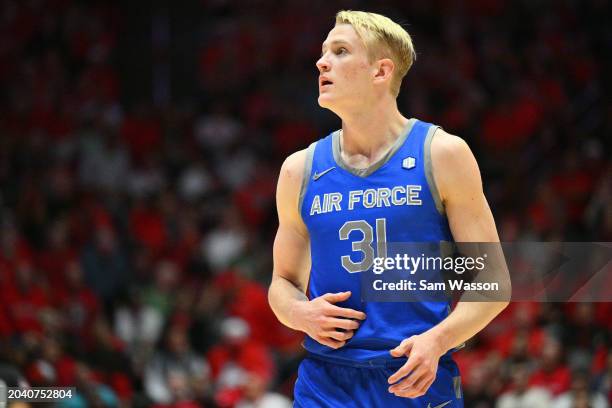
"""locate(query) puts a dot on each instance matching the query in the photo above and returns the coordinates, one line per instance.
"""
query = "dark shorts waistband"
(374, 363)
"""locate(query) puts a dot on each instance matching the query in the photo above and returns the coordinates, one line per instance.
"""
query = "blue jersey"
(349, 213)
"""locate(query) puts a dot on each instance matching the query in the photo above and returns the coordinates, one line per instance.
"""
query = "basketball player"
(373, 354)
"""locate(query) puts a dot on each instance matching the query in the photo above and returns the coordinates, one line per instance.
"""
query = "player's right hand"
(327, 323)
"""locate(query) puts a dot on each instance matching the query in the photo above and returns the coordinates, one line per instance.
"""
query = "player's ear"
(384, 68)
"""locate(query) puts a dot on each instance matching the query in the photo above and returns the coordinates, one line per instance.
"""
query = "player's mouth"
(324, 83)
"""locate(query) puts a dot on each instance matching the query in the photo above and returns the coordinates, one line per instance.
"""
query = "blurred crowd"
(135, 238)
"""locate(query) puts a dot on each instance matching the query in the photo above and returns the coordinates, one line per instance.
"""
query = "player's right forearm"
(285, 298)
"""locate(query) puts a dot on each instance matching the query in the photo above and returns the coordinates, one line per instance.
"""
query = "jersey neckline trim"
(365, 172)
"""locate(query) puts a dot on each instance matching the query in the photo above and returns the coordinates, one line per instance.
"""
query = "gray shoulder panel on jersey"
(457, 387)
(370, 169)
(306, 176)
(429, 169)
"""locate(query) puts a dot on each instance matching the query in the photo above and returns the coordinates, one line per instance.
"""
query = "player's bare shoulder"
(446, 147)
(289, 186)
(454, 165)
(293, 167)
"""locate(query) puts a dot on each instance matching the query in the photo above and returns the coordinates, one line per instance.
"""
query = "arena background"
(140, 144)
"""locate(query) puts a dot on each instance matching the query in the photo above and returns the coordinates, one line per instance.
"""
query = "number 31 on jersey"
(365, 244)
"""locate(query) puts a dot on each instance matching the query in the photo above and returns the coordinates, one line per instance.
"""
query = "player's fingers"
(336, 297)
(329, 342)
(404, 370)
(347, 312)
(345, 324)
(417, 388)
(404, 348)
(339, 335)
(424, 386)
(406, 394)
(410, 382)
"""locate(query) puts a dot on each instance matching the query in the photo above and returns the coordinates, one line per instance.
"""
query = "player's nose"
(323, 64)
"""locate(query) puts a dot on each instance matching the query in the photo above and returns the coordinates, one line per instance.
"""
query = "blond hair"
(383, 38)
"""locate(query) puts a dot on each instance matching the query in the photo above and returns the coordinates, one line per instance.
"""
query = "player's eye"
(341, 50)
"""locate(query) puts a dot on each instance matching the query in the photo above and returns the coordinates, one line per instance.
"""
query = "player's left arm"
(457, 177)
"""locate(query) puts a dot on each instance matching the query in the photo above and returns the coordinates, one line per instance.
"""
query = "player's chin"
(325, 101)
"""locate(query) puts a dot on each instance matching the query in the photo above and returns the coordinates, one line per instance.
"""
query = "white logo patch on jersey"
(408, 163)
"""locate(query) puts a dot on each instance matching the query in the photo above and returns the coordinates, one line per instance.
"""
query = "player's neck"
(371, 133)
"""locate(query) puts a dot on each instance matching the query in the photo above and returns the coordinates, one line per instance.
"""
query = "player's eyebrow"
(335, 42)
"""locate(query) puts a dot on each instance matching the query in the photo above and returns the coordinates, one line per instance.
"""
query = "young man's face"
(345, 73)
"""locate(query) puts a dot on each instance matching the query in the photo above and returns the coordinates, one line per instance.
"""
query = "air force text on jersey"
(369, 198)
